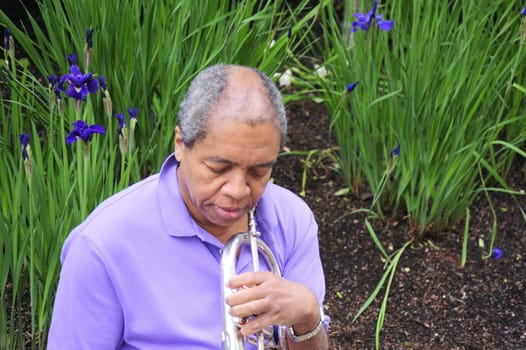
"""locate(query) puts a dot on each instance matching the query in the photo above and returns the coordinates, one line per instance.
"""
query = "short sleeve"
(304, 265)
(86, 313)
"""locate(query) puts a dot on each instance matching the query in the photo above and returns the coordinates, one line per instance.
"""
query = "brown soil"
(434, 303)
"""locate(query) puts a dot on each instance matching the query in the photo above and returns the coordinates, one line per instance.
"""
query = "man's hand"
(274, 301)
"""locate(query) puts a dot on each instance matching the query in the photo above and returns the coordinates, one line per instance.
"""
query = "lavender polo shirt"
(139, 273)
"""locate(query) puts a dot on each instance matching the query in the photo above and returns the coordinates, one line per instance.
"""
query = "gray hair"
(205, 91)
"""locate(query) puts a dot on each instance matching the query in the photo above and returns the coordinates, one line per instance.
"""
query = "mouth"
(230, 213)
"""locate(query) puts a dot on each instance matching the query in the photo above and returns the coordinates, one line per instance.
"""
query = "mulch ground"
(434, 303)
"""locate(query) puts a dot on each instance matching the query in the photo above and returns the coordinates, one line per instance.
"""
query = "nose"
(237, 185)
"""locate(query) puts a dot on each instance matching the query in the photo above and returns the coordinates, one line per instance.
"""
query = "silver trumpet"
(232, 338)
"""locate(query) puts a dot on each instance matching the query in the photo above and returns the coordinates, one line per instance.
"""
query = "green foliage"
(446, 84)
(438, 84)
(148, 51)
(43, 197)
(385, 282)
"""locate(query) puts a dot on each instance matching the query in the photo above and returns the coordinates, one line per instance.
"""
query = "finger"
(242, 295)
(248, 279)
(255, 324)
(247, 302)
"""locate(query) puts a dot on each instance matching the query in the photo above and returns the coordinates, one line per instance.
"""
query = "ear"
(179, 145)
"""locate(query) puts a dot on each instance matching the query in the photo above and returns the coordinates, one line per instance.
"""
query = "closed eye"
(219, 170)
(220, 166)
(259, 172)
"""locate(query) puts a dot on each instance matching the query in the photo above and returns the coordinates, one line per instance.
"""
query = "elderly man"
(143, 270)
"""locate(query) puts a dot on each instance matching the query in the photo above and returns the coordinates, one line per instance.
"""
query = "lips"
(230, 213)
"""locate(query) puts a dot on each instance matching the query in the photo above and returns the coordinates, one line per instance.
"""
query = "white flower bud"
(286, 78)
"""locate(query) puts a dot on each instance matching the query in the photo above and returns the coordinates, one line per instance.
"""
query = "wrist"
(306, 327)
(305, 331)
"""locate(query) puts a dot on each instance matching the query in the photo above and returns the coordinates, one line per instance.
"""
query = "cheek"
(258, 187)
(206, 186)
(197, 186)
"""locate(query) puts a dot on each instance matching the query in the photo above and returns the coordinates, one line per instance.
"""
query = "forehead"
(240, 141)
(250, 132)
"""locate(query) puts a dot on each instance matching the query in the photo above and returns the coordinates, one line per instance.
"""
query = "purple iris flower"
(385, 25)
(89, 39)
(364, 20)
(56, 83)
(24, 140)
(523, 12)
(497, 253)
(7, 38)
(102, 83)
(72, 59)
(83, 131)
(81, 84)
(395, 152)
(122, 122)
(132, 112)
(53, 80)
(351, 86)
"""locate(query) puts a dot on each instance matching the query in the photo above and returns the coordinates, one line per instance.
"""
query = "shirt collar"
(174, 214)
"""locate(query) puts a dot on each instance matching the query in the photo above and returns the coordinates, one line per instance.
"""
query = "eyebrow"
(217, 159)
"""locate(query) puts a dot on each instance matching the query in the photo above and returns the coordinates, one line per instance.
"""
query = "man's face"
(223, 176)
